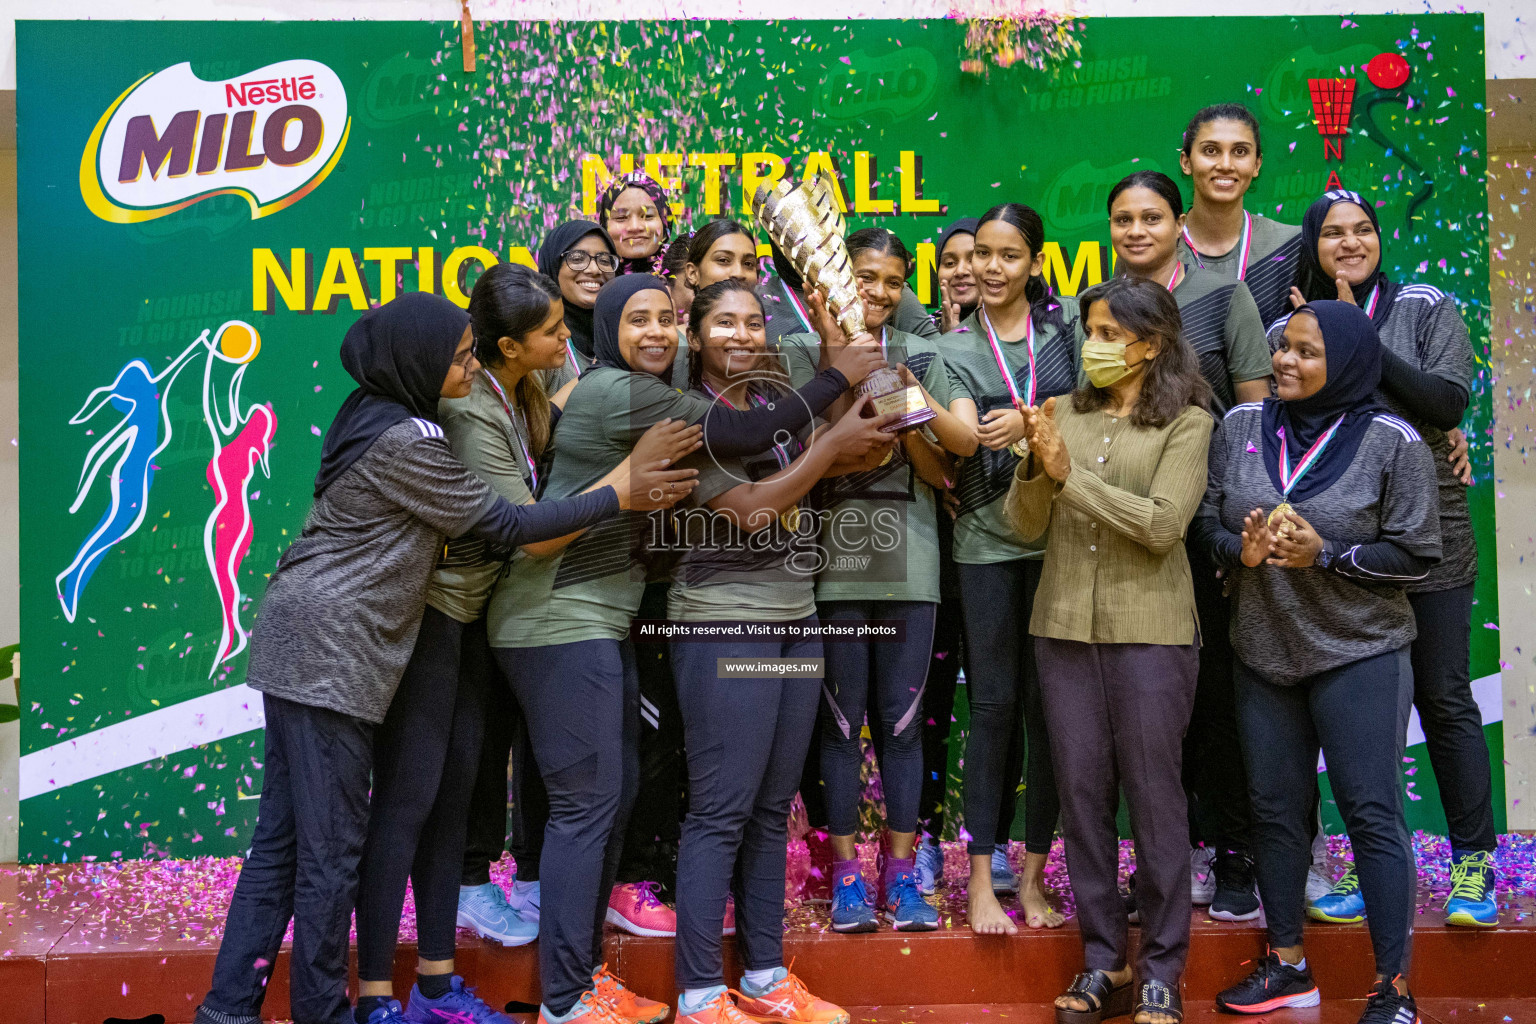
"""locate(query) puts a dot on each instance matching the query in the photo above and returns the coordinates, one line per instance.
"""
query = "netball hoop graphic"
(241, 439)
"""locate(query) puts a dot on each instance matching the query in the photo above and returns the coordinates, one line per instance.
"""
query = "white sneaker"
(1319, 882)
(1003, 878)
(1202, 876)
(524, 898)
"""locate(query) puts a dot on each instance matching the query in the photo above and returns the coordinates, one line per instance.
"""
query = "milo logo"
(173, 139)
(1285, 88)
(896, 85)
(1075, 200)
(399, 88)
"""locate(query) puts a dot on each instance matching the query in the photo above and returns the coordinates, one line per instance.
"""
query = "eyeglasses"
(577, 259)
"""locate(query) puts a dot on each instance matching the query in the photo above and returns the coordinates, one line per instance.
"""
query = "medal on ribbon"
(1021, 446)
(1289, 478)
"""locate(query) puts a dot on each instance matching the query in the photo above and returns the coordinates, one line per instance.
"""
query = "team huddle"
(1183, 531)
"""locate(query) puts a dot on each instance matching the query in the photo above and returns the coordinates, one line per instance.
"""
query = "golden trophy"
(809, 228)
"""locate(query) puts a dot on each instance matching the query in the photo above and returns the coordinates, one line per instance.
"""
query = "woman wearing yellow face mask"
(1116, 473)
(1222, 326)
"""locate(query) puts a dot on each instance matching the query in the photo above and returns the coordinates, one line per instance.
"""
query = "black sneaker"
(1237, 898)
(1273, 985)
(1387, 1006)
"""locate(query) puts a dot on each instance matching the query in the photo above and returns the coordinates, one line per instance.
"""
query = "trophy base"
(908, 403)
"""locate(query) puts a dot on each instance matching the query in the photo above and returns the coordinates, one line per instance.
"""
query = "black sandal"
(1094, 988)
(1157, 997)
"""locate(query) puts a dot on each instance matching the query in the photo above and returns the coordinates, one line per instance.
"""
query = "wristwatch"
(1325, 557)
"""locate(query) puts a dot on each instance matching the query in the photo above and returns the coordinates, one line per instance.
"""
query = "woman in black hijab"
(1427, 368)
(1316, 508)
(342, 618)
(559, 626)
(579, 257)
(956, 283)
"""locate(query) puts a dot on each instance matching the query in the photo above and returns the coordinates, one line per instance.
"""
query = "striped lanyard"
(1019, 401)
(1178, 272)
(780, 452)
(570, 352)
(1370, 302)
(800, 310)
(1244, 244)
(524, 436)
(1288, 478)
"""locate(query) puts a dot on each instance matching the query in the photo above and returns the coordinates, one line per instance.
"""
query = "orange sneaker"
(719, 1010)
(598, 1012)
(624, 1004)
(789, 1000)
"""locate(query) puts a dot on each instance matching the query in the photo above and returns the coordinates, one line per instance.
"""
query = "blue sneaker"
(1343, 904)
(485, 909)
(459, 1006)
(389, 1013)
(1472, 903)
(851, 909)
(524, 898)
(930, 866)
(1004, 881)
(908, 911)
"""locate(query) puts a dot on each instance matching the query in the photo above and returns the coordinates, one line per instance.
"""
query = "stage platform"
(82, 943)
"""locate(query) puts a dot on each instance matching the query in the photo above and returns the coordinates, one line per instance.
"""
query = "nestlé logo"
(270, 136)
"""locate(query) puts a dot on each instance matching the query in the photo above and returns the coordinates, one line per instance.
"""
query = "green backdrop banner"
(205, 207)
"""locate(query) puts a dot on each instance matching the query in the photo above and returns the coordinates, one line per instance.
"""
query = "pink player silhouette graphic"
(242, 439)
(227, 535)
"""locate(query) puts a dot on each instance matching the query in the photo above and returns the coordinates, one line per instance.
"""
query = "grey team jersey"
(1425, 328)
(342, 609)
(1289, 624)
(1271, 265)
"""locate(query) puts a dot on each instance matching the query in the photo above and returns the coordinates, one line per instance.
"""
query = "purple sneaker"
(459, 1006)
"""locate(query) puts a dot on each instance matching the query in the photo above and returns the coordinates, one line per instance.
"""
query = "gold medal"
(1278, 524)
(790, 519)
(1020, 448)
(888, 457)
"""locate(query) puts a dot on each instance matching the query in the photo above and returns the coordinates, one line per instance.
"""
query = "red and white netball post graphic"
(172, 139)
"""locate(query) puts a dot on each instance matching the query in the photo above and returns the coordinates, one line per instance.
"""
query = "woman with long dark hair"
(388, 496)
(747, 555)
(1221, 154)
(1317, 506)
(1426, 378)
(1017, 349)
(1115, 473)
(559, 626)
(1222, 325)
(882, 563)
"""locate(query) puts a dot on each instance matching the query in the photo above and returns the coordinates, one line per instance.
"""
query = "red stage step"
(70, 956)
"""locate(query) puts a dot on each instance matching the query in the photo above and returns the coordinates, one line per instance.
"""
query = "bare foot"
(986, 915)
(1038, 912)
(1037, 909)
(1151, 1017)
